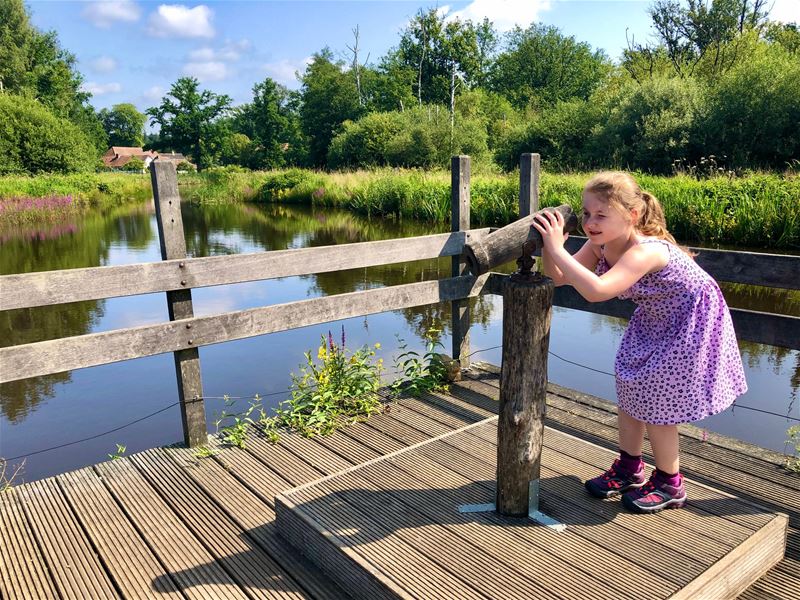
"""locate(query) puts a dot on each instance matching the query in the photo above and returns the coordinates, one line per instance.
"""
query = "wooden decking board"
(347, 448)
(283, 461)
(246, 563)
(129, 561)
(258, 517)
(434, 475)
(315, 454)
(188, 562)
(691, 440)
(252, 472)
(392, 517)
(75, 568)
(372, 438)
(771, 482)
(406, 565)
(597, 521)
(24, 572)
(403, 414)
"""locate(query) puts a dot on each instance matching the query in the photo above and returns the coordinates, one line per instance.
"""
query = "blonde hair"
(622, 193)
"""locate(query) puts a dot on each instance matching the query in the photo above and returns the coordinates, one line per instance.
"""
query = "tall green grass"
(85, 188)
(759, 210)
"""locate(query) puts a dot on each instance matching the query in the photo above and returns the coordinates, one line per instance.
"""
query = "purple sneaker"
(655, 496)
(615, 481)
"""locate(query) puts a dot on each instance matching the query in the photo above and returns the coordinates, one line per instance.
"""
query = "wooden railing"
(184, 334)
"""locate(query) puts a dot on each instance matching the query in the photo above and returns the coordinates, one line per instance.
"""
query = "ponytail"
(652, 222)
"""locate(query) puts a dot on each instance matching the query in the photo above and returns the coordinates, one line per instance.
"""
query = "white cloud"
(505, 14)
(785, 11)
(103, 64)
(179, 21)
(153, 93)
(230, 52)
(206, 71)
(98, 89)
(283, 71)
(103, 14)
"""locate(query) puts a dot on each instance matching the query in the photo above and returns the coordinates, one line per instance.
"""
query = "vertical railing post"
(527, 308)
(179, 302)
(529, 169)
(459, 196)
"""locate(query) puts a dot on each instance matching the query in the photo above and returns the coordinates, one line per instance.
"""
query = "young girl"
(678, 360)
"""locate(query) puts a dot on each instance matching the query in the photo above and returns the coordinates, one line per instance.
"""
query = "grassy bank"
(760, 211)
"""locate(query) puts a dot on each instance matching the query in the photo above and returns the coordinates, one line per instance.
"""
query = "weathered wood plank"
(530, 167)
(77, 571)
(23, 571)
(459, 221)
(179, 302)
(66, 354)
(738, 266)
(128, 559)
(94, 283)
(750, 326)
(189, 564)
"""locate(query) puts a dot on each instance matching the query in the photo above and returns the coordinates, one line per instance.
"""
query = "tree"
(269, 122)
(124, 125)
(33, 140)
(189, 120)
(703, 32)
(329, 98)
(540, 66)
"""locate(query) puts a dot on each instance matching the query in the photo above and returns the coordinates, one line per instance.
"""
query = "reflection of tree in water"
(86, 245)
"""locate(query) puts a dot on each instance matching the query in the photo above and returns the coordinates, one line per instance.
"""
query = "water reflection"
(69, 406)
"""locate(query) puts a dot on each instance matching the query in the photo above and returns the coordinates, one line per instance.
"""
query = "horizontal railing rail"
(78, 352)
(28, 290)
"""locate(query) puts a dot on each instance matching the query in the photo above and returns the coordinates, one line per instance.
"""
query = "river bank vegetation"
(760, 210)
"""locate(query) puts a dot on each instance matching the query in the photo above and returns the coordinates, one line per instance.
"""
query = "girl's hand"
(551, 226)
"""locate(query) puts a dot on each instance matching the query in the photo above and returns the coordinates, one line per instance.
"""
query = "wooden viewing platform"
(164, 523)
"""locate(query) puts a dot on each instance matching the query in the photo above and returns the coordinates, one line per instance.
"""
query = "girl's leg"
(631, 433)
(665, 444)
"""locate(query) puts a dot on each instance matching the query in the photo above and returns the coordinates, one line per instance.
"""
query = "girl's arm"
(632, 266)
(585, 256)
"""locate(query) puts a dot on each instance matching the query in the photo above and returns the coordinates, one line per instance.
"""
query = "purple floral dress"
(678, 361)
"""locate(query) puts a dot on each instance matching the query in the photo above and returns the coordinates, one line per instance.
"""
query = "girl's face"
(603, 223)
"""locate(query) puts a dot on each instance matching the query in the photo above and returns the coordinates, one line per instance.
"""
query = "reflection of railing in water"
(178, 275)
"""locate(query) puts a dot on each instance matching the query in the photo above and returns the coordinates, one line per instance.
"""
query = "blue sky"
(133, 50)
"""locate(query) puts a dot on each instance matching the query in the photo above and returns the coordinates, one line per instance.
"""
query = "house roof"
(118, 156)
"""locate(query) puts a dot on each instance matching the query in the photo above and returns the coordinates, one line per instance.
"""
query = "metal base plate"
(533, 509)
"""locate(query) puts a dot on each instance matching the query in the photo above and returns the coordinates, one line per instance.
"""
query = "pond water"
(128, 403)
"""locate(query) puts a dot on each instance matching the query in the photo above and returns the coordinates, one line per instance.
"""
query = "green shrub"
(134, 165)
(33, 140)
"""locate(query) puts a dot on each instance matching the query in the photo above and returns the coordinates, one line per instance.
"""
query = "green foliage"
(234, 433)
(33, 140)
(419, 137)
(753, 111)
(541, 66)
(329, 98)
(134, 165)
(236, 149)
(271, 124)
(85, 188)
(189, 121)
(120, 453)
(793, 462)
(124, 125)
(204, 452)
(340, 386)
(650, 125)
(421, 373)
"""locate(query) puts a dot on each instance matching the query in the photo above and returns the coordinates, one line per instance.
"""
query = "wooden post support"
(179, 302)
(527, 308)
(459, 196)
(529, 169)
